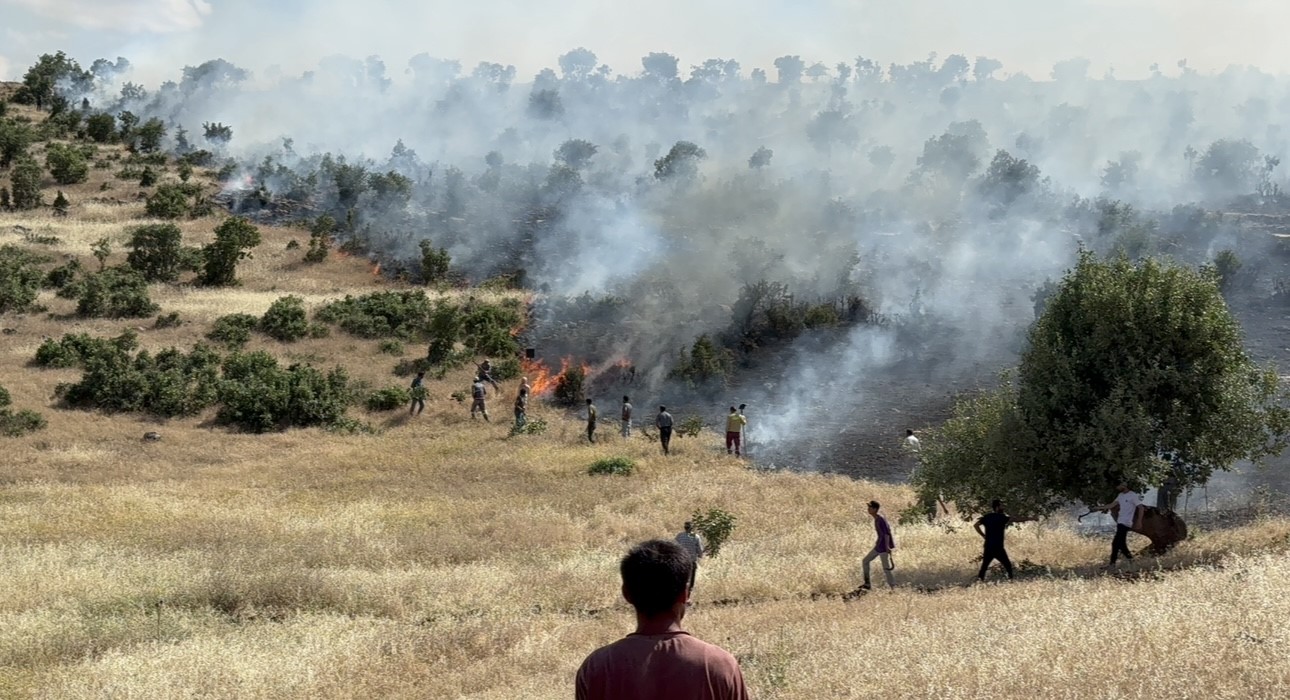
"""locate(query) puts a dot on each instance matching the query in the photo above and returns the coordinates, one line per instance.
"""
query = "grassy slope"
(441, 559)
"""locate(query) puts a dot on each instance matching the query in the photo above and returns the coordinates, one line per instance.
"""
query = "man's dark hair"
(662, 408)
(588, 401)
(655, 573)
(625, 399)
(996, 504)
(909, 431)
(875, 505)
(689, 526)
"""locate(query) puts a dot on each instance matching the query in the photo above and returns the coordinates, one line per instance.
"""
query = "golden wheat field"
(443, 559)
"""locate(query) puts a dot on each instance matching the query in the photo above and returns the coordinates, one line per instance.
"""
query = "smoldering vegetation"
(816, 240)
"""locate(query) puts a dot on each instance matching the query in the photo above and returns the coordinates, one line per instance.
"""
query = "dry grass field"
(442, 559)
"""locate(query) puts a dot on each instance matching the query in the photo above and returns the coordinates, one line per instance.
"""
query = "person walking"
(486, 374)
(882, 549)
(660, 660)
(591, 422)
(912, 443)
(627, 417)
(478, 393)
(735, 423)
(663, 421)
(991, 527)
(418, 393)
(1127, 504)
(690, 541)
(747, 445)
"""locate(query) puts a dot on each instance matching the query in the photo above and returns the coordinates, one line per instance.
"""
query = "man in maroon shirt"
(881, 549)
(659, 661)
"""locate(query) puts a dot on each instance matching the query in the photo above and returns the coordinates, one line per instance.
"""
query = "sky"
(288, 36)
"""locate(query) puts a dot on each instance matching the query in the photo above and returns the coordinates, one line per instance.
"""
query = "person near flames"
(735, 423)
(627, 417)
(522, 407)
(663, 421)
(486, 373)
(478, 393)
(591, 422)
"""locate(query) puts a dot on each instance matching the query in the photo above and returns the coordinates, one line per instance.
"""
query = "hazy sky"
(160, 36)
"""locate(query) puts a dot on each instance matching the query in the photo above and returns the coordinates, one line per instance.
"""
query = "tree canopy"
(1128, 363)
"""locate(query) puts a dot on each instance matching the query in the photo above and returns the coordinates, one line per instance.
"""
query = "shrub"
(74, 349)
(705, 363)
(568, 387)
(148, 178)
(168, 201)
(822, 316)
(156, 251)
(170, 320)
(616, 466)
(61, 204)
(286, 320)
(715, 526)
(532, 426)
(690, 426)
(233, 330)
(390, 347)
(1226, 267)
(388, 399)
(24, 182)
(20, 423)
(507, 368)
(185, 171)
(64, 274)
(257, 395)
(115, 293)
(20, 279)
(167, 384)
(66, 164)
(387, 314)
(233, 240)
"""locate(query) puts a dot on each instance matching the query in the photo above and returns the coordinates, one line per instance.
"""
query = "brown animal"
(1164, 528)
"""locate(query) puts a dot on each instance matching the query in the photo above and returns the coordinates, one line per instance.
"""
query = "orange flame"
(543, 380)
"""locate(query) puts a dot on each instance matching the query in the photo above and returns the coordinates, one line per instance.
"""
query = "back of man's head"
(655, 574)
(996, 504)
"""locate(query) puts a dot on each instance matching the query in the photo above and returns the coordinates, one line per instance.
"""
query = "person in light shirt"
(1128, 503)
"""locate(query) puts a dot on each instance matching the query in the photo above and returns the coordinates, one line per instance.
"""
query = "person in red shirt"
(659, 661)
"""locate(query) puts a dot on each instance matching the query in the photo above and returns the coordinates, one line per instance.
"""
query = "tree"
(435, 263)
(150, 135)
(660, 66)
(15, 137)
(320, 233)
(790, 69)
(682, 160)
(40, 82)
(66, 163)
(101, 127)
(156, 252)
(25, 182)
(102, 250)
(1008, 179)
(1128, 362)
(545, 104)
(168, 201)
(217, 133)
(1229, 168)
(760, 158)
(984, 68)
(233, 240)
(575, 153)
(577, 64)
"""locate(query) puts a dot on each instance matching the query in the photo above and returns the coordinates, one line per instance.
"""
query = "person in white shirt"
(912, 443)
(1126, 505)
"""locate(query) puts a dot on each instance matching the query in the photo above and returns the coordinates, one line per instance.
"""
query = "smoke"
(925, 202)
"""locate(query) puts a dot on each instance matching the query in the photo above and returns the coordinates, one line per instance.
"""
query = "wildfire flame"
(542, 379)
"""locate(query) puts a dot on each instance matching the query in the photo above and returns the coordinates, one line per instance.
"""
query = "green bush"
(258, 396)
(507, 369)
(74, 349)
(168, 201)
(148, 178)
(715, 527)
(64, 275)
(320, 238)
(620, 466)
(67, 164)
(532, 426)
(170, 320)
(388, 399)
(166, 385)
(822, 316)
(387, 314)
(233, 240)
(20, 279)
(390, 347)
(705, 363)
(690, 426)
(286, 320)
(24, 183)
(115, 293)
(435, 263)
(1226, 267)
(156, 251)
(20, 423)
(233, 330)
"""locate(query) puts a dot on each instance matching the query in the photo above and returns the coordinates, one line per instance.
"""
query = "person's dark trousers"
(418, 405)
(665, 437)
(991, 554)
(1120, 545)
(694, 570)
(732, 440)
(591, 433)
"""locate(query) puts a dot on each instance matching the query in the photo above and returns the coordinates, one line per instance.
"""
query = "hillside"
(438, 556)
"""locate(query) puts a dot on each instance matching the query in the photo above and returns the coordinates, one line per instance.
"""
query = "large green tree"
(233, 240)
(1128, 362)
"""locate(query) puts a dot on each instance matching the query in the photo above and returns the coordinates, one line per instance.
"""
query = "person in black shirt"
(990, 527)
